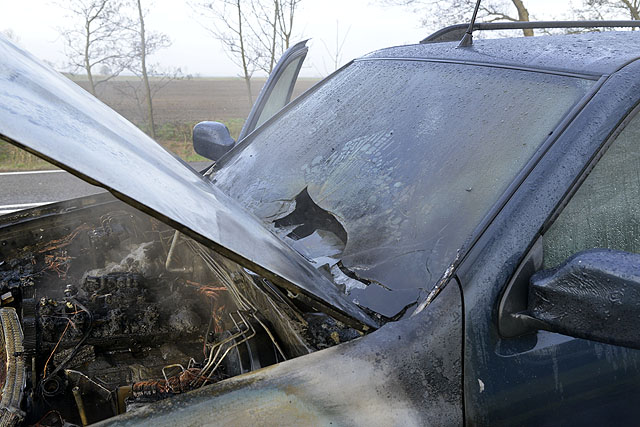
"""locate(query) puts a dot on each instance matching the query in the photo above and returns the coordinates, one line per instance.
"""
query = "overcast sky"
(370, 27)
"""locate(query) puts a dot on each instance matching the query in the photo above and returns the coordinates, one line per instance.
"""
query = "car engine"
(105, 309)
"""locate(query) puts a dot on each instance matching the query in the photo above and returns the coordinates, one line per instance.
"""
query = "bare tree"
(227, 21)
(439, 13)
(254, 32)
(146, 44)
(264, 30)
(98, 39)
(135, 89)
(608, 9)
(272, 28)
(336, 51)
(286, 19)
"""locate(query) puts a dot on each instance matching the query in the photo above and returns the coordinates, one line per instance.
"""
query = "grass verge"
(176, 137)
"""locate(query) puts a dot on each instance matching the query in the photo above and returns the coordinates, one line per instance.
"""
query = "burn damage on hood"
(105, 309)
(50, 116)
(106, 306)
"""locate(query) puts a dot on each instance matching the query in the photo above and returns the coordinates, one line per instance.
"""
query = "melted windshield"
(381, 174)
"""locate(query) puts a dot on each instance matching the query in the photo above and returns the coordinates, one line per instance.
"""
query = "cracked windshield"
(364, 177)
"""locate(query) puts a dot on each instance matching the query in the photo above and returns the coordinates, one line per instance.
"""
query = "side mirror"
(212, 140)
(594, 295)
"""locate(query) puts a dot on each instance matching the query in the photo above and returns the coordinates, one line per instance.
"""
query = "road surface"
(23, 190)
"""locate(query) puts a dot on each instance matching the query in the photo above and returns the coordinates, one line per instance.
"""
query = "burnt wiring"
(240, 299)
(243, 303)
(58, 263)
(245, 332)
(65, 240)
(180, 383)
(44, 421)
(75, 348)
(216, 352)
(193, 377)
(95, 298)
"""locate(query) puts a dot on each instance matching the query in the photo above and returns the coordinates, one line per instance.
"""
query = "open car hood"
(50, 116)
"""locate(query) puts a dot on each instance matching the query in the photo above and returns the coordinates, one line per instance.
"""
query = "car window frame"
(295, 52)
(535, 251)
(494, 260)
(595, 159)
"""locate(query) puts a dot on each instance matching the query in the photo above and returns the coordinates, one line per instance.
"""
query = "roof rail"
(456, 32)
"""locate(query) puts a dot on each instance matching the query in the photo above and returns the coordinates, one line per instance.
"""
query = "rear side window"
(281, 93)
(605, 211)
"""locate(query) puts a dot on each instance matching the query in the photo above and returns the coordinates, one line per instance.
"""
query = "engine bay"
(105, 309)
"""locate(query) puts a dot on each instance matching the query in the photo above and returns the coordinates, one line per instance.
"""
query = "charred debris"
(105, 309)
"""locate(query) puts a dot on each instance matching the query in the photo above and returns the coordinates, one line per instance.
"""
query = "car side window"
(281, 93)
(605, 211)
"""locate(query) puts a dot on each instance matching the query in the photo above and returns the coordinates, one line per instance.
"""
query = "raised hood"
(50, 116)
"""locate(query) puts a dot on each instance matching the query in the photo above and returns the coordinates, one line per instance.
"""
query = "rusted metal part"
(122, 394)
(444, 280)
(168, 263)
(80, 404)
(186, 380)
(64, 241)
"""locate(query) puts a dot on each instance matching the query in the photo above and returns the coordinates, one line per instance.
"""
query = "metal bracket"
(455, 32)
(512, 320)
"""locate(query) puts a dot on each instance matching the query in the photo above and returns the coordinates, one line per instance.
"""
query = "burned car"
(432, 235)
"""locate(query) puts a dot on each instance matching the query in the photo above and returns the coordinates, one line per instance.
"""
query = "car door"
(583, 194)
(277, 91)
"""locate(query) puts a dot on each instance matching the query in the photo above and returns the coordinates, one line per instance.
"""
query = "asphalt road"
(22, 190)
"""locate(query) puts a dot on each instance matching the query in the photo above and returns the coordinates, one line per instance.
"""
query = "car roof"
(593, 53)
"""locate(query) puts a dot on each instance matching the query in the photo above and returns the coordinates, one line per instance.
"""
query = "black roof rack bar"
(456, 32)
